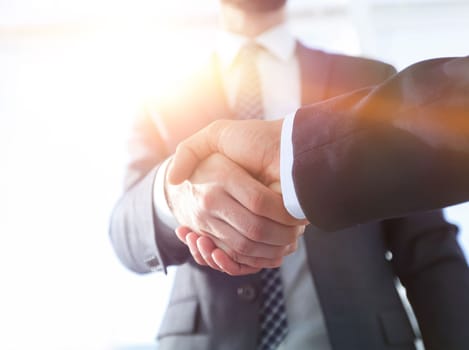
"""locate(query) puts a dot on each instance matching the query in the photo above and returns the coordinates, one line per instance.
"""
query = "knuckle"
(291, 248)
(199, 217)
(254, 231)
(181, 145)
(216, 127)
(276, 263)
(292, 234)
(235, 257)
(207, 201)
(258, 262)
(243, 246)
(257, 201)
(217, 124)
(278, 252)
(252, 262)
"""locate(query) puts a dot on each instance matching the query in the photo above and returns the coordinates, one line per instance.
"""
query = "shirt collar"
(278, 41)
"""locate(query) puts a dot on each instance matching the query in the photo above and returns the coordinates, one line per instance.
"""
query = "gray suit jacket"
(355, 283)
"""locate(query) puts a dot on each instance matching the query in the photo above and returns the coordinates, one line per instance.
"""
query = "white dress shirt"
(290, 199)
(281, 89)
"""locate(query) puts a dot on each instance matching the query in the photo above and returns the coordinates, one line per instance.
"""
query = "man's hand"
(239, 215)
(253, 144)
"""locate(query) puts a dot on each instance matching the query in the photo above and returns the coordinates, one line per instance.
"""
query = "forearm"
(375, 173)
(384, 152)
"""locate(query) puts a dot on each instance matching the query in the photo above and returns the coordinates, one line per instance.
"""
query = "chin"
(256, 5)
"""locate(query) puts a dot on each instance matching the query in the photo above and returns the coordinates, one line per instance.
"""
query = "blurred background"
(72, 74)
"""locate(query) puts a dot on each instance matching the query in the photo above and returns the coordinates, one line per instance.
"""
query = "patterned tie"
(248, 103)
(272, 314)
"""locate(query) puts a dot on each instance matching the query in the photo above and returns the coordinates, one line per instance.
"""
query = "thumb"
(192, 151)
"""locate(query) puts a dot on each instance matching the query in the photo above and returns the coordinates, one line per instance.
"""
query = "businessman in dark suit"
(389, 150)
(338, 287)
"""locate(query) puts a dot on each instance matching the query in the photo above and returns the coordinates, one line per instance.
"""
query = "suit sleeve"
(384, 151)
(431, 266)
(140, 240)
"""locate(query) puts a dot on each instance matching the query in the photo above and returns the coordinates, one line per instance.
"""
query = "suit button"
(153, 263)
(247, 293)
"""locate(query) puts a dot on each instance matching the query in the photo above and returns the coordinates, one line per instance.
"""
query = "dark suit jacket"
(404, 147)
(355, 283)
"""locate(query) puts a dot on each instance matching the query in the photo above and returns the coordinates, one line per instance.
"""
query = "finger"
(230, 266)
(240, 221)
(239, 244)
(205, 247)
(192, 151)
(250, 261)
(204, 255)
(254, 228)
(235, 222)
(258, 198)
(181, 233)
(191, 240)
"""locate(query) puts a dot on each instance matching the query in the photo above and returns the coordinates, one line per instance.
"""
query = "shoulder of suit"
(344, 61)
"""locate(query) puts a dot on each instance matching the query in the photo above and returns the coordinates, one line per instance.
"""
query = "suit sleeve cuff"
(162, 211)
(290, 200)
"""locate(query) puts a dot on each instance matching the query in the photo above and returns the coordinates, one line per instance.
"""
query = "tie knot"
(249, 51)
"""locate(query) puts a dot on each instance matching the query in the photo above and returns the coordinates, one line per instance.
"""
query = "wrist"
(290, 199)
(272, 161)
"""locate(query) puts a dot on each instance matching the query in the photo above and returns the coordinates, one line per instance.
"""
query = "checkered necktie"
(272, 315)
(248, 103)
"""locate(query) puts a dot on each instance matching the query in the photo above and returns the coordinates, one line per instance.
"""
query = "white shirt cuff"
(162, 210)
(290, 200)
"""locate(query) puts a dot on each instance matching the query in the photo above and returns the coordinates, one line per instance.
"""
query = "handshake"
(223, 183)
(223, 187)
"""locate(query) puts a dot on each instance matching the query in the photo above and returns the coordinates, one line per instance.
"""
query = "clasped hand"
(229, 220)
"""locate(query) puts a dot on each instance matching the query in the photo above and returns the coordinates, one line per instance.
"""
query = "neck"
(250, 24)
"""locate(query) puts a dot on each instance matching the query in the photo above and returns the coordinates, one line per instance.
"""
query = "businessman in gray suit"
(338, 288)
